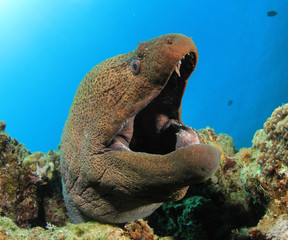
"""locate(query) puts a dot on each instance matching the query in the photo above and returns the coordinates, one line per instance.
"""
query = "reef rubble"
(246, 199)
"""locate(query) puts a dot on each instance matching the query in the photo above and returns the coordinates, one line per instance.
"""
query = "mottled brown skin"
(103, 181)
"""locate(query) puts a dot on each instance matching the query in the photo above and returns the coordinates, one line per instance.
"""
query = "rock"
(2, 126)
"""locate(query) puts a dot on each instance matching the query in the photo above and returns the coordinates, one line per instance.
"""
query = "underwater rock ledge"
(246, 199)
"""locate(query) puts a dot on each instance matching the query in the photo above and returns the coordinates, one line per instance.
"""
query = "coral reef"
(270, 150)
(138, 230)
(9, 230)
(30, 186)
(214, 209)
(18, 188)
(247, 199)
(31, 197)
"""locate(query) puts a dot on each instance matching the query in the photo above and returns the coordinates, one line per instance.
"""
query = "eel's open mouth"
(157, 128)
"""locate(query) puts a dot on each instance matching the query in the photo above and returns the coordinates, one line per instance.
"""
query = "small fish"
(271, 13)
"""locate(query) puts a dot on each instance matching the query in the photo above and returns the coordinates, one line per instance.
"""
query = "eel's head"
(125, 149)
(169, 57)
(160, 69)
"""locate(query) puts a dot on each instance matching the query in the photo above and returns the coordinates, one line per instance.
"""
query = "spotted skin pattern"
(113, 185)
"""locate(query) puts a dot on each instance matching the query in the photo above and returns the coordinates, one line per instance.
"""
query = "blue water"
(47, 47)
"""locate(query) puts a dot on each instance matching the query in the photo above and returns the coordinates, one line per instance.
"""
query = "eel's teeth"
(177, 68)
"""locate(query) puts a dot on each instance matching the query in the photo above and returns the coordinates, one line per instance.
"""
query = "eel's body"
(125, 150)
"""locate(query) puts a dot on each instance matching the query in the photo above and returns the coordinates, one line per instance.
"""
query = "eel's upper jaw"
(157, 128)
(189, 64)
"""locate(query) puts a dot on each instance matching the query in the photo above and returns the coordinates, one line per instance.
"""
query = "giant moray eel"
(125, 150)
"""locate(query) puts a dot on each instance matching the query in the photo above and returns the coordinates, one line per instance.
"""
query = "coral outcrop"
(216, 209)
(246, 199)
(30, 186)
(138, 230)
(270, 150)
(18, 188)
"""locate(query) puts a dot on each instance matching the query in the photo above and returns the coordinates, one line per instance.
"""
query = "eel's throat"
(157, 128)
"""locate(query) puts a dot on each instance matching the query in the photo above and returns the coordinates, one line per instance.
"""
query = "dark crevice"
(204, 214)
(46, 189)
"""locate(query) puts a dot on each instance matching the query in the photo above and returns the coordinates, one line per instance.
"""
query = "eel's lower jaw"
(184, 136)
(187, 137)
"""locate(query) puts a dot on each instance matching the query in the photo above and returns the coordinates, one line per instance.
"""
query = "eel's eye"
(135, 66)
